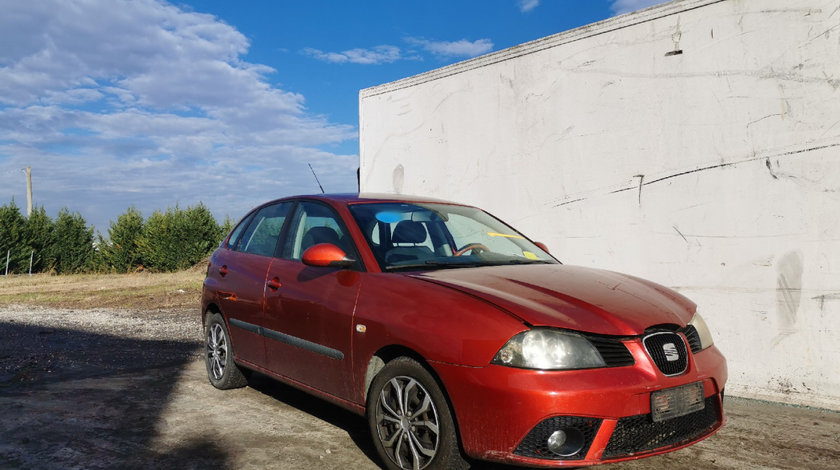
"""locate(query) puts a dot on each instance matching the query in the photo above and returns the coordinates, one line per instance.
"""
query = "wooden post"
(7, 261)
(28, 192)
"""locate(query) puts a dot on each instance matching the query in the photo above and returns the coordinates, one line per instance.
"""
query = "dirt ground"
(126, 388)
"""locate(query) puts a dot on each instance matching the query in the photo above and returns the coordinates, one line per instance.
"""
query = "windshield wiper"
(526, 261)
(435, 264)
(459, 263)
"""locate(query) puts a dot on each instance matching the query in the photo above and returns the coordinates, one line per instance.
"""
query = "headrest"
(408, 231)
(317, 235)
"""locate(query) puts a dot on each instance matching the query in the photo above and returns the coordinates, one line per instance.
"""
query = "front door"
(309, 310)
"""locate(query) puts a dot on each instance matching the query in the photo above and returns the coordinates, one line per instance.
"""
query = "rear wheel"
(218, 355)
(410, 420)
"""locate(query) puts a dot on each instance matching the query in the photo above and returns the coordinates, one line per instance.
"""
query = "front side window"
(260, 238)
(312, 224)
(433, 236)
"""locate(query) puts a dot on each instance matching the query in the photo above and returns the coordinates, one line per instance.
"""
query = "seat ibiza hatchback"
(456, 336)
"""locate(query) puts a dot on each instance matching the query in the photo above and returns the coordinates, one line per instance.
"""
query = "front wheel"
(218, 355)
(410, 420)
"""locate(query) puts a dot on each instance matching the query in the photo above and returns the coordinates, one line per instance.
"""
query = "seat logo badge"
(671, 353)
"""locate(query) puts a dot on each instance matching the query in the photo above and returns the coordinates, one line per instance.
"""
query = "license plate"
(677, 401)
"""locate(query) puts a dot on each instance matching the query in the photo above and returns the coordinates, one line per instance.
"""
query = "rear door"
(242, 277)
(309, 310)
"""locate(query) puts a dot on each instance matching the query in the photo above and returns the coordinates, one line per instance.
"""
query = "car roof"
(354, 198)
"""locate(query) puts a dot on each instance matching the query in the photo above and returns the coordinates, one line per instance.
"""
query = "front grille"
(636, 434)
(535, 444)
(668, 352)
(693, 338)
(614, 352)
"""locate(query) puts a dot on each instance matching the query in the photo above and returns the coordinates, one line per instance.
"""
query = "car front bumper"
(505, 414)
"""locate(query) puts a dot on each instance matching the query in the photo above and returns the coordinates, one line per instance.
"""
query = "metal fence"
(8, 257)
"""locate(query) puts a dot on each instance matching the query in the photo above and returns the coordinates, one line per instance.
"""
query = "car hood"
(572, 297)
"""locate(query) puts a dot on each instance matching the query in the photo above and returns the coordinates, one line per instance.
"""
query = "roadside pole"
(8, 253)
(28, 192)
(31, 256)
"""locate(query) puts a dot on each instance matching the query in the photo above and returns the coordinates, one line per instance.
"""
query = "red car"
(456, 336)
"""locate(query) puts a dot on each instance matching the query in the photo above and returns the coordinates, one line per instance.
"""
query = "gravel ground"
(48, 344)
(127, 389)
(173, 325)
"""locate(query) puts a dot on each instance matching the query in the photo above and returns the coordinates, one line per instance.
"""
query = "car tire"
(410, 420)
(222, 371)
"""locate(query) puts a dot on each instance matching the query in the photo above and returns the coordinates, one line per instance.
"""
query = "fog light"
(556, 441)
(565, 442)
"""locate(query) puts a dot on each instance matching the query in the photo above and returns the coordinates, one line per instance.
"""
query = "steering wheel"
(474, 247)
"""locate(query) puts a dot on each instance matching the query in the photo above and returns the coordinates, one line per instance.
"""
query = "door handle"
(274, 284)
(223, 270)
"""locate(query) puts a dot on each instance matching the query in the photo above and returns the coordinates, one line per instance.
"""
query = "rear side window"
(260, 238)
(237, 232)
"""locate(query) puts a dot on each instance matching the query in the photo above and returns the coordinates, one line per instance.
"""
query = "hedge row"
(165, 241)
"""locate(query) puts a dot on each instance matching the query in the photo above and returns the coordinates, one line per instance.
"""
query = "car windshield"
(421, 236)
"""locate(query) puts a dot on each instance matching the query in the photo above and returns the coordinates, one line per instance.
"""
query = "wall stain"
(681, 234)
(641, 183)
(789, 270)
(822, 298)
(792, 153)
(770, 169)
(398, 178)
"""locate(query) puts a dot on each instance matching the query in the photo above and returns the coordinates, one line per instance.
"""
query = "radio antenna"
(316, 178)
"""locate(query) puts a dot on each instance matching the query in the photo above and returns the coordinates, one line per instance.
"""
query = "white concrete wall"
(715, 171)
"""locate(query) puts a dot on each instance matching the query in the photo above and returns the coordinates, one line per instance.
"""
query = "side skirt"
(346, 404)
(289, 339)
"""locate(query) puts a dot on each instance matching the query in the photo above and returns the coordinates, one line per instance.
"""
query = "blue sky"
(115, 103)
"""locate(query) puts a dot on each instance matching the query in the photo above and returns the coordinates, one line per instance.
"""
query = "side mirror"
(542, 246)
(326, 255)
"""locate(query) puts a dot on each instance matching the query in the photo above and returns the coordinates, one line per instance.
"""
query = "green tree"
(71, 243)
(39, 227)
(202, 234)
(12, 239)
(225, 228)
(178, 239)
(154, 241)
(121, 252)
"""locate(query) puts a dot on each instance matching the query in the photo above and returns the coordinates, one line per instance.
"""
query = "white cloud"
(116, 103)
(387, 54)
(377, 55)
(51, 45)
(527, 5)
(626, 6)
(460, 49)
(73, 96)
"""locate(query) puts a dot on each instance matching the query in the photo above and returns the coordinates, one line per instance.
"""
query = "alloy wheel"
(407, 423)
(217, 350)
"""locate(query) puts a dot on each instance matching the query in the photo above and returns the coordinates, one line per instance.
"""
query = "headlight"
(549, 350)
(702, 331)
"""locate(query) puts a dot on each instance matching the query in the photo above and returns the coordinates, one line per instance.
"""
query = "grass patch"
(145, 291)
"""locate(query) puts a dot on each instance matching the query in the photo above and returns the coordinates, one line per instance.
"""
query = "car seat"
(408, 232)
